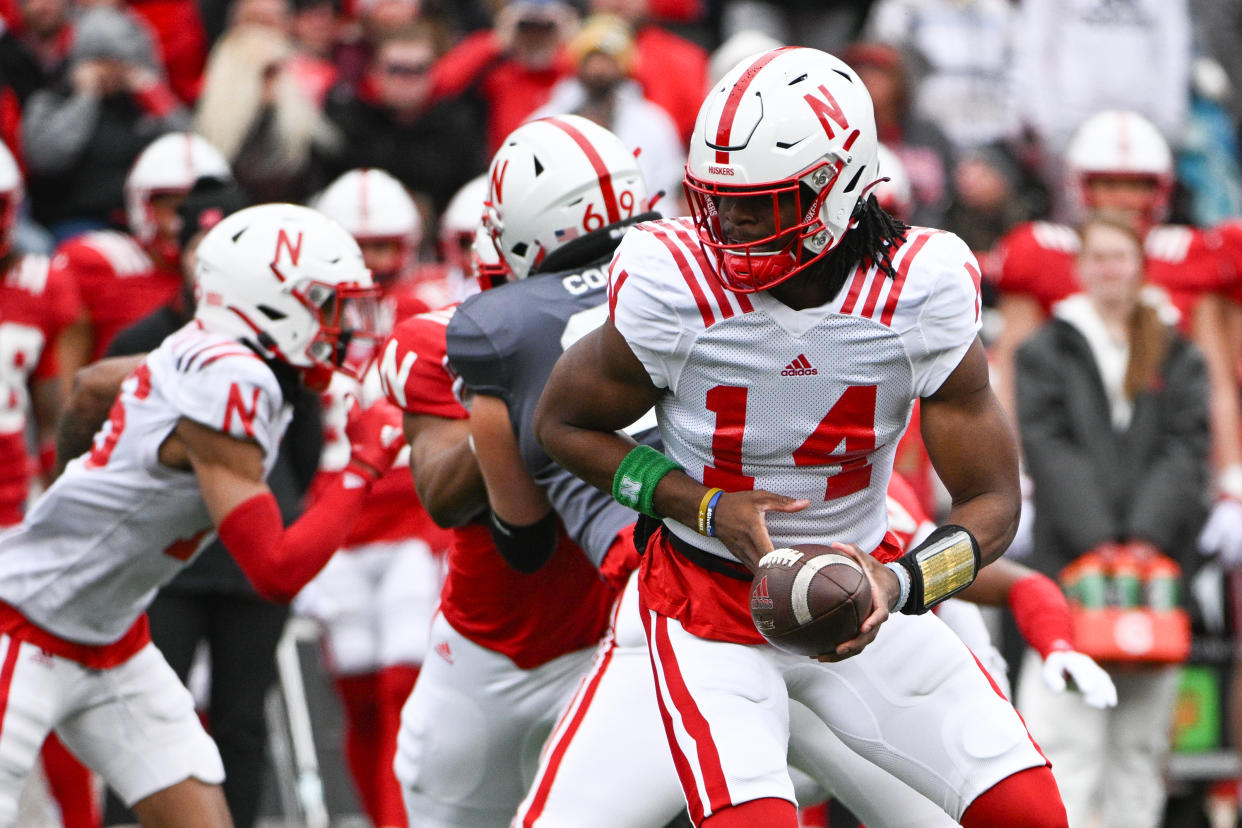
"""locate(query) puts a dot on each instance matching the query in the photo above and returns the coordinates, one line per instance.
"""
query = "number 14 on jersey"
(844, 437)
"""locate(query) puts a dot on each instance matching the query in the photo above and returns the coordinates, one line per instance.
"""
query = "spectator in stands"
(961, 54)
(1219, 24)
(511, 67)
(432, 147)
(603, 55)
(921, 146)
(667, 67)
(1113, 410)
(275, 14)
(32, 55)
(1074, 59)
(315, 25)
(255, 112)
(180, 39)
(827, 26)
(47, 32)
(988, 197)
(80, 138)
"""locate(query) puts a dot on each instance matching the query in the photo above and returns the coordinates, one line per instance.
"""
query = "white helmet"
(556, 179)
(1119, 143)
(12, 191)
(791, 121)
(896, 195)
(372, 205)
(290, 280)
(460, 221)
(169, 164)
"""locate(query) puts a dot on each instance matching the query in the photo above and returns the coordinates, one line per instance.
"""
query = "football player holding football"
(783, 334)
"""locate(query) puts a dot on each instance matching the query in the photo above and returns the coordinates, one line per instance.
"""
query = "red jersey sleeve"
(64, 302)
(49, 301)
(464, 63)
(414, 370)
(1230, 234)
(1188, 263)
(1036, 259)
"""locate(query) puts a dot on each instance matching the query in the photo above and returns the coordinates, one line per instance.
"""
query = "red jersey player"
(122, 277)
(506, 648)
(40, 316)
(38, 307)
(376, 596)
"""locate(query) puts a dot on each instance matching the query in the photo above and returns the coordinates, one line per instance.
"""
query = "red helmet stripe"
(601, 169)
(725, 127)
(1123, 140)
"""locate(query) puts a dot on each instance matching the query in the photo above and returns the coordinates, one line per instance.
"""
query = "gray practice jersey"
(503, 343)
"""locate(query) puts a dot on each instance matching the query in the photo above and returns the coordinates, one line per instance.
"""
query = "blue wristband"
(709, 521)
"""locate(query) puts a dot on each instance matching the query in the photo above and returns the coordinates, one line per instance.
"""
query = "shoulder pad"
(29, 273)
(1168, 242)
(1058, 237)
(120, 251)
(413, 367)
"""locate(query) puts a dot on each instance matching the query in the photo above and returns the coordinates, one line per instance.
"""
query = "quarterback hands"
(741, 526)
(375, 437)
(1222, 534)
(884, 593)
(1095, 685)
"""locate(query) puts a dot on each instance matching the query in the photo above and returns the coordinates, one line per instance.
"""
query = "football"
(809, 598)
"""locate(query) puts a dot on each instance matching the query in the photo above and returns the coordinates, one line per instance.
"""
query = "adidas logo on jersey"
(442, 649)
(800, 367)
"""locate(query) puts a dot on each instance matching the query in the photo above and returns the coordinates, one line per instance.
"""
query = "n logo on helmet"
(292, 248)
(498, 182)
(826, 110)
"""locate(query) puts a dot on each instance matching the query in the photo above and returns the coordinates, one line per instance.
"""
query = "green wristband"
(635, 482)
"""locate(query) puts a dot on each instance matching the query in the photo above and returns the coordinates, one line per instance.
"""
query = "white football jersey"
(808, 404)
(118, 524)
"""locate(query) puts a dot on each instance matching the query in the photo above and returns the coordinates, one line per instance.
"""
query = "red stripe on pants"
(692, 719)
(6, 677)
(562, 744)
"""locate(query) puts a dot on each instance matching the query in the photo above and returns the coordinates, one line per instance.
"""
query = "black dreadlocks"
(872, 241)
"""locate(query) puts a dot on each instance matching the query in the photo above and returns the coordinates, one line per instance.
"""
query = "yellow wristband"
(703, 509)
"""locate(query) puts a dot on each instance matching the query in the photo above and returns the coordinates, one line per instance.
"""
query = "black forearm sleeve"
(525, 548)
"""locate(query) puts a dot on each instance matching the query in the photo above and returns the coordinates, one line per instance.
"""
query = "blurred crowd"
(977, 101)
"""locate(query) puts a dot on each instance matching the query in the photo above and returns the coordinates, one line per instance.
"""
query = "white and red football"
(809, 598)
